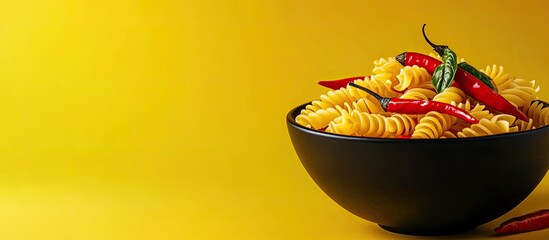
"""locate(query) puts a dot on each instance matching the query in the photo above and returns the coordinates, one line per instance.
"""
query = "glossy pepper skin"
(529, 222)
(468, 83)
(399, 105)
(339, 83)
(410, 106)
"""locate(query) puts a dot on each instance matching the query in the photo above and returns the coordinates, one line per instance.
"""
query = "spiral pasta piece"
(499, 76)
(400, 125)
(520, 92)
(448, 134)
(525, 83)
(450, 95)
(329, 100)
(320, 112)
(348, 95)
(386, 69)
(501, 123)
(418, 93)
(358, 123)
(365, 105)
(524, 126)
(410, 77)
(379, 86)
(344, 125)
(537, 113)
(433, 125)
(320, 118)
(478, 111)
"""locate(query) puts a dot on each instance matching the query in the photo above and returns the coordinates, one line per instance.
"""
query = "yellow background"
(166, 119)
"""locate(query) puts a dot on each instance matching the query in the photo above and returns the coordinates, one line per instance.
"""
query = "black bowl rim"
(290, 119)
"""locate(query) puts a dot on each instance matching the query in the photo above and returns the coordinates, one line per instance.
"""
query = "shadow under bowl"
(424, 186)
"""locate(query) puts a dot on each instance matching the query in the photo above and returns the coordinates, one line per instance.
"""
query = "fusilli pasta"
(372, 125)
(538, 112)
(352, 111)
(499, 124)
(410, 77)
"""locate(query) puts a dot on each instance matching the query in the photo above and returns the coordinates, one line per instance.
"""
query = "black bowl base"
(430, 232)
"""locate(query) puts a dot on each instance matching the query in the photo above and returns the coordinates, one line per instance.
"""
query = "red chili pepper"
(529, 222)
(409, 106)
(419, 59)
(466, 82)
(340, 83)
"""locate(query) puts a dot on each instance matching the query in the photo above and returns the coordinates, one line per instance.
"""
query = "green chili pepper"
(443, 76)
(478, 74)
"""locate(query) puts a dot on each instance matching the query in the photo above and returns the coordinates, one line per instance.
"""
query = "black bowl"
(424, 186)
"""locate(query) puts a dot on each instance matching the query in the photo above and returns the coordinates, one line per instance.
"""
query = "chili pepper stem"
(375, 95)
(382, 100)
(401, 58)
(438, 48)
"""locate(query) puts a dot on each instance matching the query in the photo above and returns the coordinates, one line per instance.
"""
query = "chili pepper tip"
(337, 84)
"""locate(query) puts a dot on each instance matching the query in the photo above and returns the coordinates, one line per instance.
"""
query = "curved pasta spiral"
(358, 123)
(410, 77)
(433, 125)
(377, 85)
(520, 92)
(418, 93)
(523, 126)
(498, 75)
(348, 95)
(386, 69)
(450, 95)
(448, 134)
(329, 100)
(400, 125)
(344, 125)
(478, 111)
(501, 123)
(320, 118)
(365, 105)
(537, 113)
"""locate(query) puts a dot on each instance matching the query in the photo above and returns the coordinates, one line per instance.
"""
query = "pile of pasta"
(351, 111)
